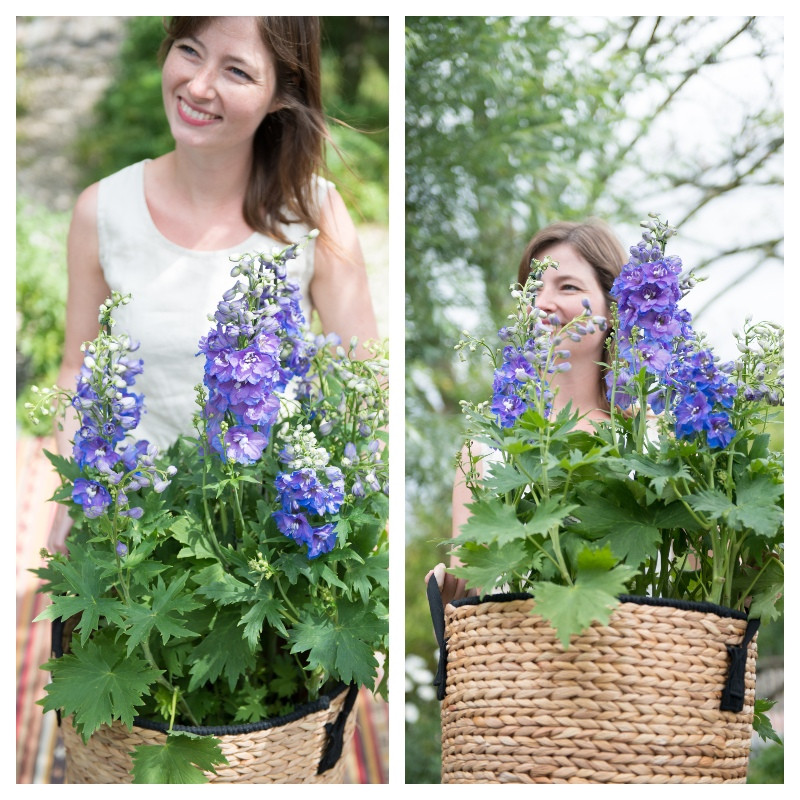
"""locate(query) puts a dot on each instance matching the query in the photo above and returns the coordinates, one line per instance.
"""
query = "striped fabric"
(40, 752)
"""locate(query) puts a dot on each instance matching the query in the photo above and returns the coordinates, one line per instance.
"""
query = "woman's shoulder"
(127, 175)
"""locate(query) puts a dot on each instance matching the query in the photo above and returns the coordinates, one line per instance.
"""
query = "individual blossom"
(318, 540)
(92, 496)
(244, 445)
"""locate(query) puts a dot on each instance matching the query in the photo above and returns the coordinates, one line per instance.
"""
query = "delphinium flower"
(345, 397)
(258, 345)
(537, 348)
(759, 367)
(656, 335)
(111, 462)
(311, 486)
(108, 409)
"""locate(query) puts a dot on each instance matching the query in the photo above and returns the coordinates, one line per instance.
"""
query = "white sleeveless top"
(173, 291)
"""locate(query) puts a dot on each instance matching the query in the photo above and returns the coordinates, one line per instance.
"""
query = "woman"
(242, 98)
(589, 257)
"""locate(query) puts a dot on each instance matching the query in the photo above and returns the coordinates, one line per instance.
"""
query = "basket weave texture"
(288, 753)
(636, 701)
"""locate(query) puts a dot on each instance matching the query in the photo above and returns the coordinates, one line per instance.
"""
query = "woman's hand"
(452, 588)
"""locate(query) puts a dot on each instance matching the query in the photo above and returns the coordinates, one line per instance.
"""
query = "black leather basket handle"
(335, 731)
(437, 616)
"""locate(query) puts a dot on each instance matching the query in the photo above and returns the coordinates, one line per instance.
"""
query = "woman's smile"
(193, 115)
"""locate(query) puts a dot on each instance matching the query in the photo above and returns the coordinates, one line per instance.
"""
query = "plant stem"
(165, 683)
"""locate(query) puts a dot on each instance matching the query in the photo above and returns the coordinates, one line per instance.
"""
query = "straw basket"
(645, 699)
(302, 747)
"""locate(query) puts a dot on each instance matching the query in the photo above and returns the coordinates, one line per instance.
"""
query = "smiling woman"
(243, 102)
(587, 257)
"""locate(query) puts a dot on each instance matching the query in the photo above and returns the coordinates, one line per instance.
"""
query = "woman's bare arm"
(87, 289)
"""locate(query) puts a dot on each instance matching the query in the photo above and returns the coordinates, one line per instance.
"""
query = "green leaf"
(761, 722)
(343, 647)
(250, 703)
(218, 585)
(223, 651)
(502, 478)
(89, 585)
(190, 533)
(755, 509)
(550, 513)
(617, 521)
(98, 684)
(767, 593)
(362, 577)
(660, 472)
(265, 607)
(183, 758)
(757, 503)
(487, 566)
(165, 615)
(491, 520)
(591, 598)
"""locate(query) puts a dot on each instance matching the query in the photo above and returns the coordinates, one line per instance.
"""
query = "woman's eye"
(188, 49)
(240, 73)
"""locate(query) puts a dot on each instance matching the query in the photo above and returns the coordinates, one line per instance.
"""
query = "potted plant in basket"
(623, 568)
(236, 585)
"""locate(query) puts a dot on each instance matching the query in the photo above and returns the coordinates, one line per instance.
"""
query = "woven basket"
(636, 701)
(289, 749)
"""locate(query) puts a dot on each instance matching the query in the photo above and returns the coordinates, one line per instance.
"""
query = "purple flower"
(720, 433)
(244, 445)
(295, 526)
(95, 452)
(303, 489)
(92, 496)
(121, 549)
(322, 539)
(690, 414)
(134, 513)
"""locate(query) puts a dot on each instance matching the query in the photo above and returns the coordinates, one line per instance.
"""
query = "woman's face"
(219, 84)
(564, 290)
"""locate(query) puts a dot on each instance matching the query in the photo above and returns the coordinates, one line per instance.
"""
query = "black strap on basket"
(733, 691)
(335, 731)
(437, 615)
(57, 648)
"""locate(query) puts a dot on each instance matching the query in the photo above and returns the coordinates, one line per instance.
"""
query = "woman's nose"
(201, 85)
(544, 300)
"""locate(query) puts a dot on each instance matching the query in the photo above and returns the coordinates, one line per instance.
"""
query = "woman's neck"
(209, 180)
(581, 387)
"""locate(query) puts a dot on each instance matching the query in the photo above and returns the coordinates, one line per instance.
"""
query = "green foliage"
(188, 602)
(766, 765)
(128, 122)
(98, 683)
(181, 759)
(41, 296)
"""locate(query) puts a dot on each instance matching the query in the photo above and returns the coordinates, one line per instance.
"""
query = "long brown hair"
(592, 239)
(289, 145)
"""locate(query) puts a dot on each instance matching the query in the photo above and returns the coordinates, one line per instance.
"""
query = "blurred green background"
(514, 122)
(127, 124)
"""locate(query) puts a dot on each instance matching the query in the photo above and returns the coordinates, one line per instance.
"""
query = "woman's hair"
(289, 145)
(592, 239)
